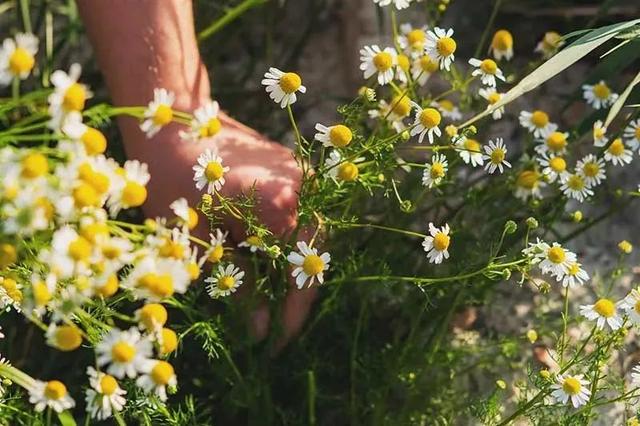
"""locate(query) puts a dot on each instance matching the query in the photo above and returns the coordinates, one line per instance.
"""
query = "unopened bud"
(532, 223)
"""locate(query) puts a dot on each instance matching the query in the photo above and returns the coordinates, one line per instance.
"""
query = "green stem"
(371, 225)
(229, 16)
(15, 88)
(565, 316)
(487, 28)
(26, 17)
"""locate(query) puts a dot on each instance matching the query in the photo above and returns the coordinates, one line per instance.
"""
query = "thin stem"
(26, 16)
(565, 316)
(487, 28)
(230, 15)
(371, 225)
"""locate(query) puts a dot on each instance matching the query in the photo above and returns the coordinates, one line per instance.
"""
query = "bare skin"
(144, 44)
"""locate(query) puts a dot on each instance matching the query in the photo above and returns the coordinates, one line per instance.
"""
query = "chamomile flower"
(502, 45)
(209, 172)
(528, 185)
(422, 68)
(70, 253)
(399, 4)
(205, 123)
(187, 215)
(598, 95)
(125, 352)
(470, 151)
(631, 305)
(155, 279)
(426, 123)
(488, 71)
(496, 156)
(554, 167)
(374, 60)
(554, 143)
(575, 186)
(282, 86)
(133, 192)
(574, 276)
(412, 40)
(553, 259)
(336, 136)
(17, 57)
(599, 134)
(394, 112)
(604, 312)
(341, 170)
(216, 241)
(158, 375)
(549, 44)
(68, 95)
(537, 123)
(571, 388)
(225, 281)
(159, 112)
(448, 109)
(52, 394)
(441, 46)
(632, 134)
(592, 169)
(492, 96)
(92, 141)
(104, 396)
(64, 337)
(151, 317)
(253, 243)
(436, 244)
(403, 68)
(309, 265)
(618, 154)
(435, 171)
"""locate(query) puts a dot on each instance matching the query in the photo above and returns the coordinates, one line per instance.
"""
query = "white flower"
(412, 40)
(131, 192)
(422, 68)
(441, 46)
(470, 151)
(341, 170)
(180, 208)
(553, 167)
(216, 251)
(52, 394)
(209, 172)
(308, 264)
(598, 95)
(125, 352)
(495, 154)
(68, 95)
(488, 71)
(253, 243)
(435, 171)
(84, 140)
(502, 45)
(104, 396)
(282, 87)
(575, 186)
(225, 281)
(373, 60)
(554, 143)
(158, 113)
(70, 253)
(632, 134)
(336, 136)
(157, 376)
(155, 279)
(573, 388)
(592, 169)
(10, 294)
(426, 123)
(448, 109)
(394, 112)
(205, 122)
(574, 276)
(1, 334)
(618, 154)
(635, 375)
(17, 57)
(553, 259)
(631, 305)
(604, 312)
(537, 123)
(492, 96)
(528, 185)
(436, 244)
(549, 44)
(599, 134)
(399, 4)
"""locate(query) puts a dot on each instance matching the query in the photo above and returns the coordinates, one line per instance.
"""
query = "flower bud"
(625, 246)
(510, 227)
(532, 336)
(576, 216)
(532, 223)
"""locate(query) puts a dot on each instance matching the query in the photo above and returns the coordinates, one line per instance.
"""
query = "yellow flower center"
(254, 240)
(502, 40)
(290, 82)
(551, 40)
(636, 307)
(636, 133)
(591, 169)
(539, 119)
(574, 268)
(108, 385)
(84, 195)
(576, 182)
(153, 315)
(571, 386)
(528, 179)
(558, 164)
(94, 141)
(8, 255)
(401, 106)
(171, 249)
(34, 165)
(497, 156)
(226, 282)
(556, 255)
(383, 61)
(451, 130)
(312, 265)
(493, 98)
(428, 65)
(403, 62)
(598, 132)
(162, 373)
(68, 338)
(41, 294)
(446, 46)
(134, 194)
(348, 171)
(79, 249)
(446, 105)
(437, 171)
(441, 241)
(213, 171)
(489, 66)
(556, 141)
(416, 39)
(472, 145)
(159, 285)
(340, 135)
(74, 97)
(616, 148)
(169, 341)
(21, 61)
(110, 287)
(194, 271)
(163, 115)
(601, 91)
(55, 390)
(216, 254)
(605, 308)
(211, 129)
(123, 352)
(430, 118)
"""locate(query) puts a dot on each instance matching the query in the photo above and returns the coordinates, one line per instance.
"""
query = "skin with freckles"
(144, 44)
